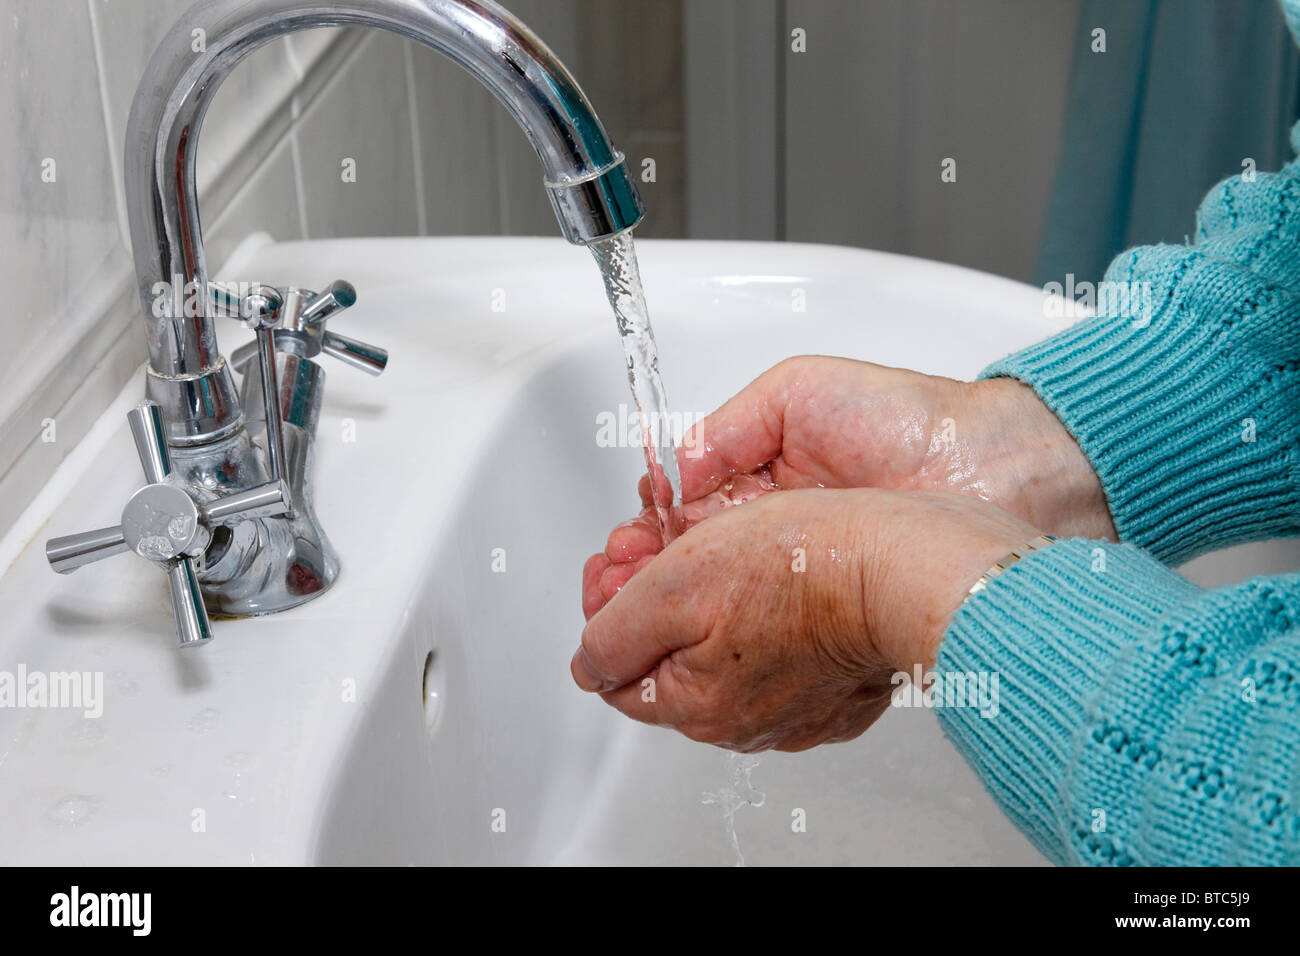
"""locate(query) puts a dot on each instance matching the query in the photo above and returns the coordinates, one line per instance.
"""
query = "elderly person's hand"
(836, 423)
(779, 624)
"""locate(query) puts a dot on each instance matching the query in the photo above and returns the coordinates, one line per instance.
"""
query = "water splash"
(616, 258)
(737, 792)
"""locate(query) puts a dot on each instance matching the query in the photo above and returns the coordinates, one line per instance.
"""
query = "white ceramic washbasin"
(306, 737)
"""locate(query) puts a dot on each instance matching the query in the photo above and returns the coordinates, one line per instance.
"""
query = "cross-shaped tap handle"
(304, 331)
(164, 523)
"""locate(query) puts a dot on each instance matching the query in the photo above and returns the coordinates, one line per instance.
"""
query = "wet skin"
(872, 499)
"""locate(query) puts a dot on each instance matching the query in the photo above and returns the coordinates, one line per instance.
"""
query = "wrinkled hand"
(779, 624)
(839, 423)
(815, 421)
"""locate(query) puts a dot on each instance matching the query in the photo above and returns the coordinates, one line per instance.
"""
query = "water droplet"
(203, 721)
(74, 810)
(124, 685)
(88, 732)
(157, 547)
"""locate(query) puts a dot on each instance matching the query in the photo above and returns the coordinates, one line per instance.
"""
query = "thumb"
(640, 626)
(741, 436)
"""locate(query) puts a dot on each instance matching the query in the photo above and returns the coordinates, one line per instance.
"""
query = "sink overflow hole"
(431, 694)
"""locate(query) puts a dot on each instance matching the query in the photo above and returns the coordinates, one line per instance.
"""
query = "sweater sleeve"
(1138, 719)
(1184, 389)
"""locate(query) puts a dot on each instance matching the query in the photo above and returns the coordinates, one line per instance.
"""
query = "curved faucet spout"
(586, 178)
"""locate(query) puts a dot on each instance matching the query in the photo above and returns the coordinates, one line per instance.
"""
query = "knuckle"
(790, 366)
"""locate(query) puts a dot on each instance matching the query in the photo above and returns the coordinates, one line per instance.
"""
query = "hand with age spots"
(815, 422)
(838, 423)
(874, 499)
(720, 637)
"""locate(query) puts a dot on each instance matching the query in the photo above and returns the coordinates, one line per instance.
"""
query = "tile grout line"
(249, 183)
(295, 160)
(297, 113)
(503, 189)
(295, 155)
(114, 150)
(417, 149)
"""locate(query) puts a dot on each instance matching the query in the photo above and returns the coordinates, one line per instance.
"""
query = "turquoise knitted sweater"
(1143, 720)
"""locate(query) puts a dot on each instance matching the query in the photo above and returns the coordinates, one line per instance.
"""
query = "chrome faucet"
(227, 511)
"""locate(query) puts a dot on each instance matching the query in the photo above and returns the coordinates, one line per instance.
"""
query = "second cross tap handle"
(303, 330)
(310, 324)
(371, 359)
(340, 295)
(316, 312)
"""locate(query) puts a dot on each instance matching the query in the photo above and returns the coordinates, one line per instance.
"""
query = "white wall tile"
(308, 46)
(246, 102)
(888, 90)
(630, 64)
(455, 118)
(60, 238)
(733, 94)
(266, 202)
(361, 114)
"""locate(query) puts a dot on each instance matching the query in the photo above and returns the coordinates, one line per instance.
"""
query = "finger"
(615, 576)
(742, 435)
(643, 700)
(613, 579)
(592, 600)
(606, 581)
(634, 539)
(629, 636)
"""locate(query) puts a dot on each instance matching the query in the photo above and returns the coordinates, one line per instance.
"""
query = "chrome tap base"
(266, 564)
(198, 408)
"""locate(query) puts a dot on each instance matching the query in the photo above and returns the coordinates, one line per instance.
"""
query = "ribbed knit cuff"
(1046, 633)
(1194, 430)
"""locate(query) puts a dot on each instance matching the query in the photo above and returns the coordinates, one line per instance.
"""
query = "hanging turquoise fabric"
(1185, 92)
